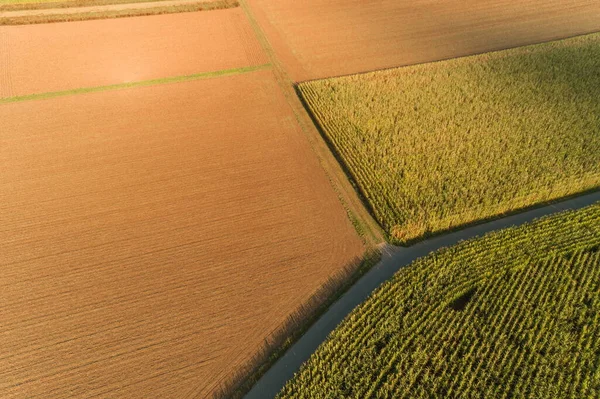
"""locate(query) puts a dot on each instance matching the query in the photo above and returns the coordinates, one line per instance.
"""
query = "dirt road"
(153, 237)
(395, 258)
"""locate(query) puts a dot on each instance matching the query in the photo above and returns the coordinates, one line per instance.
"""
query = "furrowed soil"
(317, 39)
(153, 237)
(63, 56)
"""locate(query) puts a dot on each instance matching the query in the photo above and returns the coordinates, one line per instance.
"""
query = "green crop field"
(436, 146)
(515, 314)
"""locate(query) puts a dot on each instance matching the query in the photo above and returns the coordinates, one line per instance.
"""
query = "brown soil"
(153, 237)
(63, 56)
(317, 38)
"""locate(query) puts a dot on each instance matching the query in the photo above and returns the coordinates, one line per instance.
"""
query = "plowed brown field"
(63, 56)
(153, 237)
(322, 38)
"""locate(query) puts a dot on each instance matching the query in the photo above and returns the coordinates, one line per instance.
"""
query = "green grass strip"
(21, 5)
(158, 9)
(130, 85)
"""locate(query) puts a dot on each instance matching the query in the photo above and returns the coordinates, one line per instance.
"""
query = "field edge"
(360, 217)
(296, 324)
(455, 247)
(116, 13)
(312, 110)
(132, 85)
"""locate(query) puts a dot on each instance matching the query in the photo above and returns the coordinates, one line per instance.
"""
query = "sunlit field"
(515, 314)
(436, 146)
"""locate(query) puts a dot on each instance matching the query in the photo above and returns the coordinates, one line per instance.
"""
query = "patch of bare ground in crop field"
(63, 56)
(323, 38)
(153, 237)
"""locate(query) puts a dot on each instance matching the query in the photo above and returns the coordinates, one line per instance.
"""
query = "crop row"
(514, 314)
(433, 147)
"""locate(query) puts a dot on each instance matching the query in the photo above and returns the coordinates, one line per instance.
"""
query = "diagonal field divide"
(358, 213)
(395, 259)
(130, 85)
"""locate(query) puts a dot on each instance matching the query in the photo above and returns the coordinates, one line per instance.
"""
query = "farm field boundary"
(515, 313)
(435, 147)
(53, 5)
(295, 326)
(118, 209)
(311, 37)
(120, 10)
(89, 54)
(360, 216)
(290, 363)
(130, 85)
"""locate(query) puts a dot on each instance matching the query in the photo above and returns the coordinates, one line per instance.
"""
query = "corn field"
(436, 146)
(515, 314)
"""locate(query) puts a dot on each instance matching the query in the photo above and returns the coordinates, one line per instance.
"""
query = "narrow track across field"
(394, 258)
(111, 7)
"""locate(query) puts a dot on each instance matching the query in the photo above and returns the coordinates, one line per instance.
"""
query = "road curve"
(393, 259)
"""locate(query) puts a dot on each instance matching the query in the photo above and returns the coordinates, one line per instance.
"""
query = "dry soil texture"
(63, 56)
(322, 38)
(153, 237)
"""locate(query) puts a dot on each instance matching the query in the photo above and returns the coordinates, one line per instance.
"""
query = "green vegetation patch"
(436, 146)
(515, 314)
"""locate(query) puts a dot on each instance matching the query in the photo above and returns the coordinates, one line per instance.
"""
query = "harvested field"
(63, 56)
(437, 146)
(153, 237)
(317, 38)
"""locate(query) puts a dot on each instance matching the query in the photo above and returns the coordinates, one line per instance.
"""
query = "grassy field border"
(360, 217)
(53, 4)
(124, 13)
(130, 85)
(320, 128)
(296, 324)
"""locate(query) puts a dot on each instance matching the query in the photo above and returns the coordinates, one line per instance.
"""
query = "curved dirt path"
(94, 9)
(393, 260)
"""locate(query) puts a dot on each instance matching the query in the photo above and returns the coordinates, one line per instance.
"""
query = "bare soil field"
(64, 56)
(323, 38)
(153, 237)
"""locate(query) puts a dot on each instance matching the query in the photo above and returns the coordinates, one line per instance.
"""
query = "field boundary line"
(152, 4)
(366, 226)
(278, 343)
(131, 85)
(445, 59)
(110, 11)
(70, 4)
(271, 383)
